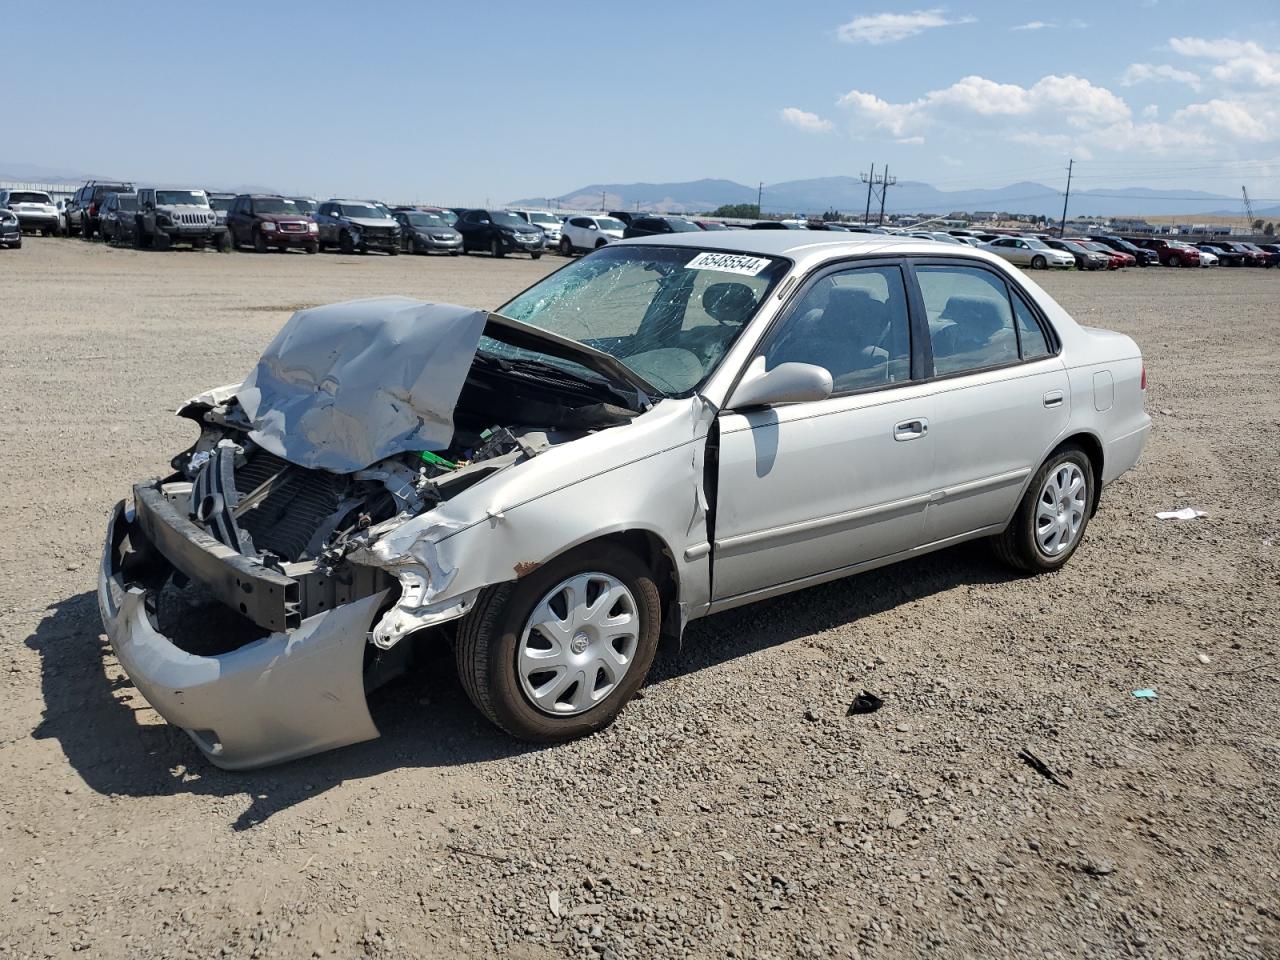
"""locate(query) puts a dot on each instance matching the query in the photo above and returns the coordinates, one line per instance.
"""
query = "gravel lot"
(735, 810)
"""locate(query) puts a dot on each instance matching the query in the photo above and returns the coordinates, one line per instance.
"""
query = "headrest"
(728, 302)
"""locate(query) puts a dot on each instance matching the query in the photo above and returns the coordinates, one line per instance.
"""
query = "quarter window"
(1030, 334)
(970, 320)
(854, 323)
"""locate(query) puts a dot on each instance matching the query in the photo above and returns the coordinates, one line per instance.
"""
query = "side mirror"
(785, 383)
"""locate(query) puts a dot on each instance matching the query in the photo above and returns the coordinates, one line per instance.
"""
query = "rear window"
(28, 196)
(101, 191)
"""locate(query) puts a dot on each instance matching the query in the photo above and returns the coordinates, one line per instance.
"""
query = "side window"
(1034, 344)
(580, 222)
(855, 324)
(970, 320)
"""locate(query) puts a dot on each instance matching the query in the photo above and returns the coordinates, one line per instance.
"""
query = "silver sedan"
(659, 431)
(1029, 252)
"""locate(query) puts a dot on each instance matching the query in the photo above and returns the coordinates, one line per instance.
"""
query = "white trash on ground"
(1186, 513)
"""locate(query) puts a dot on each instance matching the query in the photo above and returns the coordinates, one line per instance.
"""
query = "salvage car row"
(156, 218)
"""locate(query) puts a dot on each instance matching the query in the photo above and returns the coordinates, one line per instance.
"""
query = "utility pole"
(603, 203)
(760, 199)
(1248, 210)
(868, 179)
(1062, 226)
(886, 182)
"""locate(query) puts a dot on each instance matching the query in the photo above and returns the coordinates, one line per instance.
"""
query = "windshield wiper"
(519, 334)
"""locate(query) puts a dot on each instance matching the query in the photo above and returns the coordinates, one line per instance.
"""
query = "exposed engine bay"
(311, 528)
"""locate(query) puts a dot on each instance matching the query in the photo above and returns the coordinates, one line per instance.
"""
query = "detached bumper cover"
(287, 695)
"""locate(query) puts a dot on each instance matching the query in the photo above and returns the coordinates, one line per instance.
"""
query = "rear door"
(806, 490)
(1001, 393)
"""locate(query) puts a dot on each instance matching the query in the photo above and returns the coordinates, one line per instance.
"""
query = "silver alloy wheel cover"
(568, 664)
(1060, 509)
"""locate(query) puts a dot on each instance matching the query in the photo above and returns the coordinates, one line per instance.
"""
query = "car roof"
(811, 246)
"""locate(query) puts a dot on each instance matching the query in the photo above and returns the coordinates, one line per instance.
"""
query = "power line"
(884, 182)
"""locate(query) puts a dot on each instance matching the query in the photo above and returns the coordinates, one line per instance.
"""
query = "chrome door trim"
(978, 486)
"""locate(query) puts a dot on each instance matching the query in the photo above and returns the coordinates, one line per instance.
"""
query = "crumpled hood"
(345, 385)
(371, 222)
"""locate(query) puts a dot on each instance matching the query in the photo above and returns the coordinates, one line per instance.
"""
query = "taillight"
(1144, 374)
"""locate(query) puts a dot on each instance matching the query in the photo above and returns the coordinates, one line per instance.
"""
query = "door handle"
(910, 429)
(1054, 398)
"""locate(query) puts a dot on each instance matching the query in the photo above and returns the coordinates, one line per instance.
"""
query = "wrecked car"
(664, 429)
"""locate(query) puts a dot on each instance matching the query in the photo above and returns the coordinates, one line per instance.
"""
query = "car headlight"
(164, 219)
(313, 228)
(268, 227)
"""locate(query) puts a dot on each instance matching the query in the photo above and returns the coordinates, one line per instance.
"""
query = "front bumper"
(287, 695)
(36, 221)
(191, 231)
(281, 238)
(430, 243)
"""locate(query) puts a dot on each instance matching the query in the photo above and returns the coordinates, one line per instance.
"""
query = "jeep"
(168, 216)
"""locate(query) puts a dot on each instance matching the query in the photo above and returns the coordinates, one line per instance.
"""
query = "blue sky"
(471, 102)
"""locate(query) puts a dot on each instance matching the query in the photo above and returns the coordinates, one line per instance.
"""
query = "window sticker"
(742, 264)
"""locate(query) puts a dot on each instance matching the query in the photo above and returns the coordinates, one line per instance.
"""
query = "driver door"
(808, 491)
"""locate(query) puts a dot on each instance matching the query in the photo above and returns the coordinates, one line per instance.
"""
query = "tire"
(313, 247)
(495, 249)
(161, 241)
(1039, 263)
(536, 255)
(490, 636)
(393, 251)
(227, 242)
(1020, 545)
(566, 248)
(259, 242)
(601, 243)
(1175, 261)
(199, 244)
(345, 243)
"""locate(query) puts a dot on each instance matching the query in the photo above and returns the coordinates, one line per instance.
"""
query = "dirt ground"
(733, 811)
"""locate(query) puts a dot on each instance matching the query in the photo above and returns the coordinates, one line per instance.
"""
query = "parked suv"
(357, 225)
(587, 233)
(498, 231)
(117, 217)
(267, 221)
(655, 226)
(221, 204)
(1172, 253)
(34, 209)
(82, 209)
(169, 215)
(549, 222)
(422, 232)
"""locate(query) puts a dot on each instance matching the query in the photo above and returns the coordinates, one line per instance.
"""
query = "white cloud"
(911, 141)
(1074, 100)
(1035, 25)
(1239, 61)
(804, 120)
(1254, 122)
(1137, 73)
(881, 28)
(1150, 111)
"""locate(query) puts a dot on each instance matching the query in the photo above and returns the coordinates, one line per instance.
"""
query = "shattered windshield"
(667, 313)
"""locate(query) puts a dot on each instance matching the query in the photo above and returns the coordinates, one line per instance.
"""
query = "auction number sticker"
(728, 263)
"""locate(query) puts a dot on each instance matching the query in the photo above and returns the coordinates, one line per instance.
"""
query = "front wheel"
(345, 243)
(495, 248)
(1039, 263)
(537, 255)
(313, 247)
(1175, 261)
(558, 654)
(566, 248)
(1051, 519)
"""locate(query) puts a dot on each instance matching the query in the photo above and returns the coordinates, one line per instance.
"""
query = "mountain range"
(849, 195)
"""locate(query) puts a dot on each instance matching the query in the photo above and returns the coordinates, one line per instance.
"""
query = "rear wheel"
(1051, 519)
(1039, 263)
(558, 654)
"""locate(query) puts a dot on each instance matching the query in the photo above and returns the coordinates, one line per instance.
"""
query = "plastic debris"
(1040, 767)
(1145, 694)
(865, 702)
(1186, 513)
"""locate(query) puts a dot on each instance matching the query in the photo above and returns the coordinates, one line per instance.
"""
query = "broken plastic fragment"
(1145, 694)
(1186, 513)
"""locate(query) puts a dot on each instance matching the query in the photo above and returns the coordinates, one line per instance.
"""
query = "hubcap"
(578, 644)
(1060, 510)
